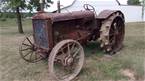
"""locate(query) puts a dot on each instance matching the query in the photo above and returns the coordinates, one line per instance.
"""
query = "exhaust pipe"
(41, 5)
(58, 6)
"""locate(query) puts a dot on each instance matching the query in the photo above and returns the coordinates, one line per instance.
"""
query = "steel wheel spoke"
(40, 56)
(68, 47)
(62, 51)
(76, 52)
(63, 48)
(26, 44)
(35, 56)
(29, 40)
(73, 46)
(27, 53)
(30, 58)
(25, 49)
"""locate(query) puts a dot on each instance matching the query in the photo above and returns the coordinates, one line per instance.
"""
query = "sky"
(123, 1)
(68, 2)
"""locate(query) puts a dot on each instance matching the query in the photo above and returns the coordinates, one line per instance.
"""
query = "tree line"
(135, 2)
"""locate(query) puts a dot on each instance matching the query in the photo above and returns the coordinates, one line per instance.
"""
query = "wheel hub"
(68, 61)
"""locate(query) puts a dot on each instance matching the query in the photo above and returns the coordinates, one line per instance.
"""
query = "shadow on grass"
(93, 48)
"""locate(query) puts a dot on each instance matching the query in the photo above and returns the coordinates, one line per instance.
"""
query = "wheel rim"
(66, 62)
(116, 34)
(28, 50)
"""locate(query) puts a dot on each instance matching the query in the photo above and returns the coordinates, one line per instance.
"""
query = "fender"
(107, 13)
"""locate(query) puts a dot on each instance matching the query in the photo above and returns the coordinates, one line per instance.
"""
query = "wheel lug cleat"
(102, 45)
(106, 43)
(108, 49)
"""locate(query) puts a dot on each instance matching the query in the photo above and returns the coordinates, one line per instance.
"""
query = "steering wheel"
(89, 7)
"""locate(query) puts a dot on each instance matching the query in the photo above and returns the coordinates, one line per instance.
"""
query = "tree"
(133, 2)
(18, 5)
(34, 4)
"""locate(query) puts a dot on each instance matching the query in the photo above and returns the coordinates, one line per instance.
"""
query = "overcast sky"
(65, 2)
(68, 2)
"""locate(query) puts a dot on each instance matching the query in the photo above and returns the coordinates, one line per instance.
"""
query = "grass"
(98, 66)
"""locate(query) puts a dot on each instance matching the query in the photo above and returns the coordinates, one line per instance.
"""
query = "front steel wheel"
(28, 51)
(66, 60)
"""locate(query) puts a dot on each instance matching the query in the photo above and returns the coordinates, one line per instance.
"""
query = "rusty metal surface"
(77, 25)
(106, 13)
(51, 28)
(55, 17)
(60, 26)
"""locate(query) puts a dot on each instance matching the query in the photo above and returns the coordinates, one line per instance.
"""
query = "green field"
(126, 65)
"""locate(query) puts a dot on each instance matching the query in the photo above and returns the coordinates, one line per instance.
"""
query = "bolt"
(102, 45)
(107, 27)
(106, 43)
(99, 39)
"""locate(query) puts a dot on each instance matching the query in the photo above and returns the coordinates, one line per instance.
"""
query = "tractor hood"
(55, 17)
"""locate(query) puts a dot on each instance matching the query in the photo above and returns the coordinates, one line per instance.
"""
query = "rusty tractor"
(60, 36)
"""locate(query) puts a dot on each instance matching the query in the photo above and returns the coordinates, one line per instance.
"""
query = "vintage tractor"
(60, 36)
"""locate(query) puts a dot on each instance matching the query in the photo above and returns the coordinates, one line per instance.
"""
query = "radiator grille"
(40, 35)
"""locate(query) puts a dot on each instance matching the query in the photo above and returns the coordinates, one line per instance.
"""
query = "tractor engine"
(76, 25)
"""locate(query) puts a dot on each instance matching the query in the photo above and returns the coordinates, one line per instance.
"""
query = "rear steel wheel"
(28, 51)
(112, 33)
(66, 60)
